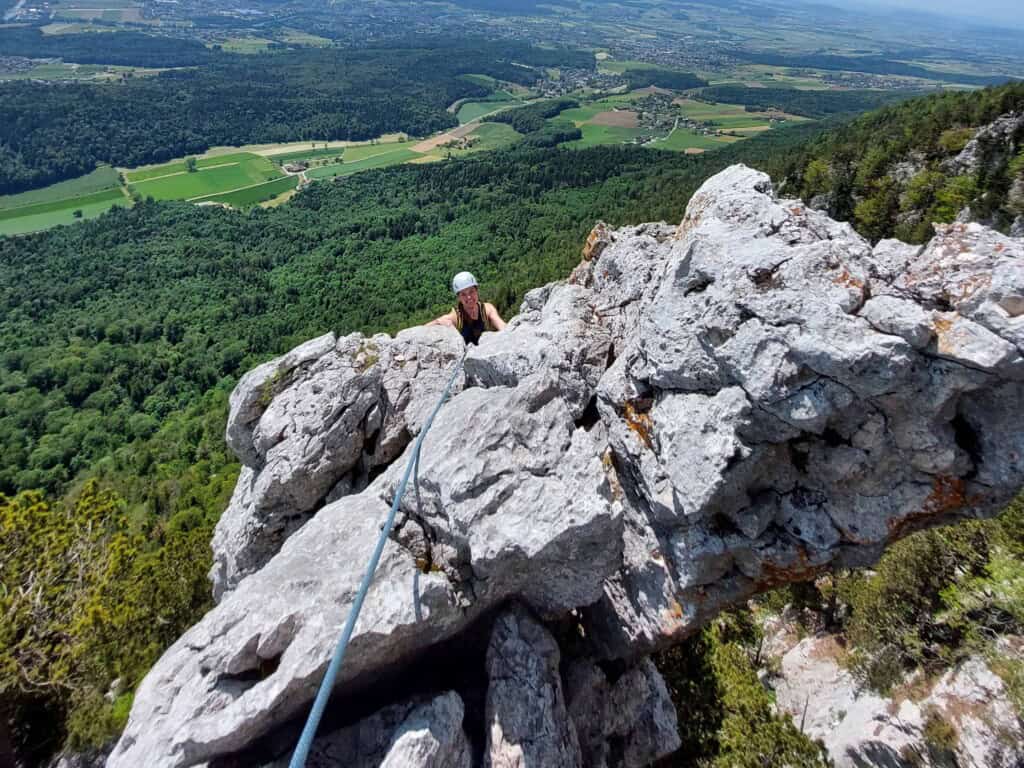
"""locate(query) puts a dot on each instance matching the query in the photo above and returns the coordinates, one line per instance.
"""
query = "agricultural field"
(606, 121)
(262, 193)
(61, 72)
(656, 119)
(213, 176)
(473, 110)
(687, 140)
(769, 76)
(118, 11)
(733, 117)
(485, 136)
(297, 37)
(384, 156)
(72, 28)
(245, 44)
(39, 209)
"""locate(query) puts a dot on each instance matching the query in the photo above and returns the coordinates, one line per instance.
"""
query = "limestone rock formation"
(862, 728)
(312, 426)
(997, 136)
(427, 734)
(526, 718)
(700, 413)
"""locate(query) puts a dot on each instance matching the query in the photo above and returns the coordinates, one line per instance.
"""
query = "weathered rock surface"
(702, 412)
(526, 719)
(426, 735)
(313, 425)
(860, 728)
(997, 136)
(629, 723)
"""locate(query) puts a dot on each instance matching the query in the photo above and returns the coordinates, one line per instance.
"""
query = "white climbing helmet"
(462, 281)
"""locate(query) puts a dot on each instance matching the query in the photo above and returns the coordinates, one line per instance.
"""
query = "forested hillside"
(120, 371)
(807, 103)
(125, 48)
(114, 379)
(894, 172)
(52, 132)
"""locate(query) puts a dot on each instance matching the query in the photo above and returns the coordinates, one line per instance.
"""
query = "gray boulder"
(527, 723)
(996, 136)
(406, 735)
(312, 425)
(630, 723)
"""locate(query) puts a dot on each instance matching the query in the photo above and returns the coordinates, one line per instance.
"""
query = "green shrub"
(725, 714)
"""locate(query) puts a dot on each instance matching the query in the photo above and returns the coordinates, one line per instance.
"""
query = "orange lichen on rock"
(802, 569)
(638, 420)
(597, 240)
(671, 618)
(948, 495)
(849, 281)
(699, 203)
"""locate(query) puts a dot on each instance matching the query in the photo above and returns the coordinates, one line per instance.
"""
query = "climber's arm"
(496, 322)
(445, 319)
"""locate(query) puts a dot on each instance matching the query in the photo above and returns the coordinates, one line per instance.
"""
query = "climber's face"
(469, 298)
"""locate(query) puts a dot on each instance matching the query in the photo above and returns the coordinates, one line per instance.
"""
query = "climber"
(470, 316)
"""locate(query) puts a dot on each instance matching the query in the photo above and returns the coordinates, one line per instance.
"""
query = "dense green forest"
(532, 117)
(807, 103)
(120, 372)
(114, 383)
(133, 49)
(889, 172)
(53, 132)
(877, 65)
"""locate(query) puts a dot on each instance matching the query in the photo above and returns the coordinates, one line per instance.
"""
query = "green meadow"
(33, 218)
(246, 198)
(213, 176)
(381, 159)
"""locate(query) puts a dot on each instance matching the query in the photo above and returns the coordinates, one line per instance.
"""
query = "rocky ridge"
(700, 412)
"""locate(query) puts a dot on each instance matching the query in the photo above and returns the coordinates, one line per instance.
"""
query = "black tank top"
(469, 328)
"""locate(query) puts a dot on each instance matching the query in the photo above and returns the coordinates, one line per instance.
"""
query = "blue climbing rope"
(309, 731)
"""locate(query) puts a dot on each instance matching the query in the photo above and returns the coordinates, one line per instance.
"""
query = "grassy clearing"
(363, 151)
(45, 215)
(57, 205)
(471, 110)
(246, 198)
(70, 28)
(682, 139)
(487, 136)
(485, 80)
(147, 172)
(731, 116)
(245, 45)
(215, 176)
(297, 37)
(104, 178)
(593, 135)
(381, 160)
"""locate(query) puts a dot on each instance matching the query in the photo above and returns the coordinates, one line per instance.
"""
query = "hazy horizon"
(994, 12)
